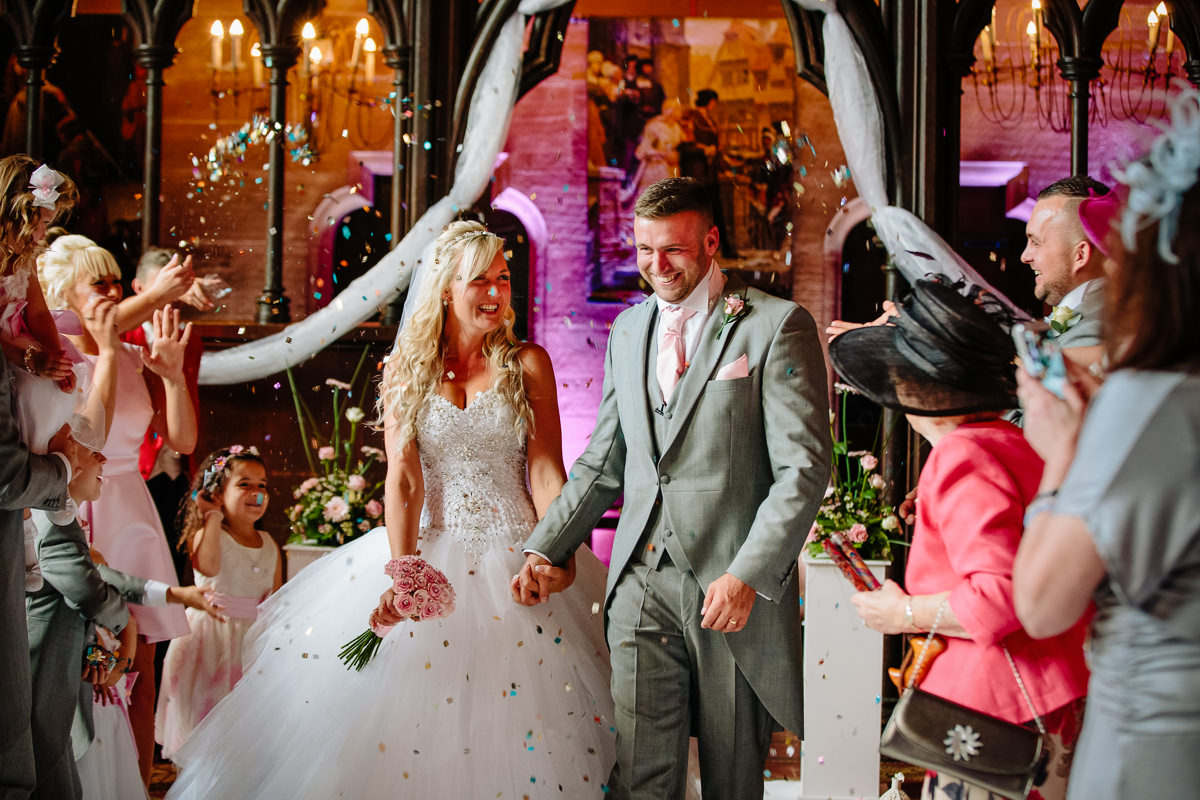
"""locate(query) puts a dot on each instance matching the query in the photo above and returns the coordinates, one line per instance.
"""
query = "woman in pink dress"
(150, 392)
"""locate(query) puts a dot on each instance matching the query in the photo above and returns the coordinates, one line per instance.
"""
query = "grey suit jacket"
(1086, 332)
(76, 592)
(26, 481)
(740, 475)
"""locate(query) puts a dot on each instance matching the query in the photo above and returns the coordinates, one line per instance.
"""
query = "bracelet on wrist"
(1041, 503)
(30, 362)
(909, 619)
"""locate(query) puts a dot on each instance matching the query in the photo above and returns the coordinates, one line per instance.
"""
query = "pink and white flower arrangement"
(422, 593)
(336, 509)
(341, 501)
(855, 504)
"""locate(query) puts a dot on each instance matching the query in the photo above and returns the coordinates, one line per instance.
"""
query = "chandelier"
(334, 82)
(1016, 80)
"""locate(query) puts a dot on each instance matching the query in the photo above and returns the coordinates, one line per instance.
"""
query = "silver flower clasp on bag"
(962, 742)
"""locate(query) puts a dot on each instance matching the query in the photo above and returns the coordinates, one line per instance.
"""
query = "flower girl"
(240, 565)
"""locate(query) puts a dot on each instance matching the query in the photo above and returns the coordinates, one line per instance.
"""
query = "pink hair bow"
(45, 182)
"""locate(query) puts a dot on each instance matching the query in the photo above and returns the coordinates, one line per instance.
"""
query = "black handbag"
(948, 738)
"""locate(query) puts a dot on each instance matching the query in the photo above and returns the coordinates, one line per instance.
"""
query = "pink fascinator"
(45, 182)
(1096, 214)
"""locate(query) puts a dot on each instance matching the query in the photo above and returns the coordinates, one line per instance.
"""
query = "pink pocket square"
(735, 369)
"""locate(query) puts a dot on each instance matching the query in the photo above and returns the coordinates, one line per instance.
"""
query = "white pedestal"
(297, 556)
(843, 671)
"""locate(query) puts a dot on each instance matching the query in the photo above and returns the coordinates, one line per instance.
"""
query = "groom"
(714, 425)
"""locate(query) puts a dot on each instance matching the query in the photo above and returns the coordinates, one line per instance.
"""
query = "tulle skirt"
(496, 700)
(109, 768)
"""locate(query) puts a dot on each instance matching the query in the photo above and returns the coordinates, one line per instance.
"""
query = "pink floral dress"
(202, 667)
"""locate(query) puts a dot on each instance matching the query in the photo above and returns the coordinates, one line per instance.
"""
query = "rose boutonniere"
(736, 307)
(1062, 319)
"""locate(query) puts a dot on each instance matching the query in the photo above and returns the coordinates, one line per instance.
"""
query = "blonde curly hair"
(19, 217)
(62, 262)
(464, 250)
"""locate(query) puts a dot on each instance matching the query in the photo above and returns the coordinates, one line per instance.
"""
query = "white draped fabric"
(855, 111)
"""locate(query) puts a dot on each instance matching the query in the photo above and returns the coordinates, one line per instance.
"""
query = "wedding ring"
(732, 621)
(88, 318)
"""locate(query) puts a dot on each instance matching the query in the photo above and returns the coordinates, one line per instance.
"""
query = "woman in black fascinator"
(946, 362)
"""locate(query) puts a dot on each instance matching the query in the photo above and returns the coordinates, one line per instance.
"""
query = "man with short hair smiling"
(1068, 267)
(714, 425)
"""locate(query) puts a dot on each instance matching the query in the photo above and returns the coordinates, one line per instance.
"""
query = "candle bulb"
(986, 42)
(369, 47)
(256, 62)
(218, 34)
(360, 33)
(1161, 11)
(314, 57)
(307, 34)
(1152, 24)
(1032, 33)
(235, 42)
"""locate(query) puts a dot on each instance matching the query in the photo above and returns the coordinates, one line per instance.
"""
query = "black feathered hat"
(945, 354)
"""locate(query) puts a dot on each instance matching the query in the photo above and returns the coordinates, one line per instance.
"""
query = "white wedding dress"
(496, 700)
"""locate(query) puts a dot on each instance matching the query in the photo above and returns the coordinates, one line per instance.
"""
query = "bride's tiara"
(463, 238)
(1158, 182)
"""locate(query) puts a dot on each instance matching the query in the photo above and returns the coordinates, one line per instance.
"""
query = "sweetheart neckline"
(468, 406)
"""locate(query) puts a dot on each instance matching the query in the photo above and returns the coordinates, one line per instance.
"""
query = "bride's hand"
(386, 612)
(554, 579)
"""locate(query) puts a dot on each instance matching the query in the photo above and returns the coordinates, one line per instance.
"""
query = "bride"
(495, 700)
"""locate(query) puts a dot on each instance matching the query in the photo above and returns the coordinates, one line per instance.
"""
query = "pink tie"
(672, 348)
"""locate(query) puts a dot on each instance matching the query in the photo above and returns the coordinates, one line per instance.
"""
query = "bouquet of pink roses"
(422, 592)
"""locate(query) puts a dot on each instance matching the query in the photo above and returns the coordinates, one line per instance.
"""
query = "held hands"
(538, 579)
(165, 357)
(727, 604)
(883, 609)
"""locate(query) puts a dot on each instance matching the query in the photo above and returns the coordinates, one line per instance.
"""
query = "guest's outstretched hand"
(195, 597)
(166, 354)
(838, 327)
(100, 320)
(172, 281)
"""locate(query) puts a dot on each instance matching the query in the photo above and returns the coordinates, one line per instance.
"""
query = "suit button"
(666, 415)
(667, 534)
(663, 480)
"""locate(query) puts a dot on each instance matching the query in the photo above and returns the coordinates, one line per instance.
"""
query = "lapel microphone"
(661, 409)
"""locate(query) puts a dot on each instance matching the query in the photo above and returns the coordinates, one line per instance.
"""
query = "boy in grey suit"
(714, 425)
(75, 594)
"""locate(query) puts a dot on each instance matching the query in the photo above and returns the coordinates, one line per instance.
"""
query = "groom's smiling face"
(675, 253)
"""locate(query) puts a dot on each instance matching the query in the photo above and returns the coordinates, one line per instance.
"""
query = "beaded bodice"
(473, 461)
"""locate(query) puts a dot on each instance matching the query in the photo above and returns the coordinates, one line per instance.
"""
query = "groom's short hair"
(672, 196)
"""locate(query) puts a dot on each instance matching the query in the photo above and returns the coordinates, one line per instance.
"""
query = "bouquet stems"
(360, 650)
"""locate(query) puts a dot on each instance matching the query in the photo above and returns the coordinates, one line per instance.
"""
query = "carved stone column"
(34, 25)
(279, 25)
(155, 24)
